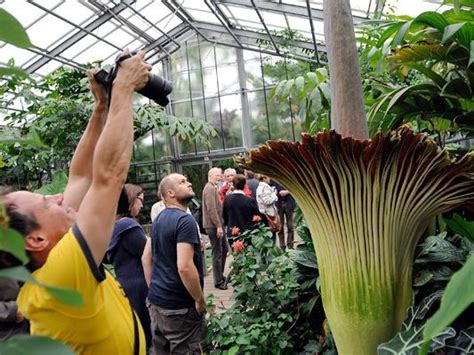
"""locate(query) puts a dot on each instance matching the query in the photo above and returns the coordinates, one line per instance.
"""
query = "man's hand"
(220, 232)
(98, 91)
(133, 72)
(284, 193)
(201, 306)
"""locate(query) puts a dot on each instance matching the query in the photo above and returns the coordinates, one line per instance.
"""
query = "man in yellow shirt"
(66, 247)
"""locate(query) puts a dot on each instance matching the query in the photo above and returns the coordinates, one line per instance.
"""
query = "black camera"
(156, 89)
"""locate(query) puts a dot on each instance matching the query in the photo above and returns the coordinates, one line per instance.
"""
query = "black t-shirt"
(172, 226)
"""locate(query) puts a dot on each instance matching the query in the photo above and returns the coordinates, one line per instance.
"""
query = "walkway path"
(223, 297)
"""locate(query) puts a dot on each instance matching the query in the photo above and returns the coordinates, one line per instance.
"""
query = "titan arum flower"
(367, 203)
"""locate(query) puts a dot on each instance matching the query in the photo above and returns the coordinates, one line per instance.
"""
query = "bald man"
(214, 225)
(176, 289)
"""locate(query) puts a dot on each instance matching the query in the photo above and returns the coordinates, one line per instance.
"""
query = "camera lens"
(157, 89)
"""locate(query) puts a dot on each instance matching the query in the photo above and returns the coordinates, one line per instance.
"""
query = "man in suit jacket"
(239, 209)
(214, 226)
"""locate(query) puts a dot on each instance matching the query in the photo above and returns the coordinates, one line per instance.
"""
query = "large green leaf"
(457, 88)
(459, 294)
(451, 30)
(57, 185)
(401, 34)
(20, 273)
(25, 344)
(471, 54)
(389, 31)
(11, 31)
(432, 19)
(12, 242)
(410, 339)
(437, 249)
(467, 3)
(9, 71)
(459, 225)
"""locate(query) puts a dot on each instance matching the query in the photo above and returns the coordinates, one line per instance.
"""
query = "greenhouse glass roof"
(74, 32)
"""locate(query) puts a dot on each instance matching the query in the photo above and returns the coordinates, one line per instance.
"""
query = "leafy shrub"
(277, 307)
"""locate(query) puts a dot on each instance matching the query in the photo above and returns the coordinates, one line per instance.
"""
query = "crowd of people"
(153, 302)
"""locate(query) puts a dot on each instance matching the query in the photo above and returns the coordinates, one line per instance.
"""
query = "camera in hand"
(156, 89)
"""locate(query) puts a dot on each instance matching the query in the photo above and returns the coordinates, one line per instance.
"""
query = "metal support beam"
(221, 17)
(276, 7)
(154, 26)
(246, 127)
(77, 36)
(246, 37)
(316, 53)
(265, 26)
(72, 24)
(250, 41)
(182, 15)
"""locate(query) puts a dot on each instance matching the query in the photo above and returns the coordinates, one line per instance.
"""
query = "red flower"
(235, 230)
(238, 246)
(256, 218)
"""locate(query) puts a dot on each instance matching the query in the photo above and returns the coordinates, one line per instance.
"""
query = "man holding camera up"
(66, 247)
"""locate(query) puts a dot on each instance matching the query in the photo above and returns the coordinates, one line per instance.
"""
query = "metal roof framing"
(78, 35)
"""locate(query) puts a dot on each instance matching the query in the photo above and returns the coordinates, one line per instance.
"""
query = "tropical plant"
(367, 203)
(431, 55)
(277, 308)
(456, 298)
(310, 94)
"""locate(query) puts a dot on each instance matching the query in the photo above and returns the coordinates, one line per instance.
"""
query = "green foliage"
(437, 259)
(310, 95)
(57, 185)
(277, 309)
(12, 242)
(460, 226)
(459, 294)
(20, 273)
(24, 344)
(410, 339)
(11, 31)
(430, 80)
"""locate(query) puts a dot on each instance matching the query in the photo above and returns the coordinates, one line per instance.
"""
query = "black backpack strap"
(136, 335)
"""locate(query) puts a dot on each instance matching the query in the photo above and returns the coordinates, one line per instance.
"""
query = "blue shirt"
(172, 226)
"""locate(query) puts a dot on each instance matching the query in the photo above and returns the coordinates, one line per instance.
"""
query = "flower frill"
(366, 203)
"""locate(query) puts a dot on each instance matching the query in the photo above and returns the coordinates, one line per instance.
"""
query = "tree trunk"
(347, 103)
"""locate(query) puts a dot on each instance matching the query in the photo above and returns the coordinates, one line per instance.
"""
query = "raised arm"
(111, 158)
(80, 171)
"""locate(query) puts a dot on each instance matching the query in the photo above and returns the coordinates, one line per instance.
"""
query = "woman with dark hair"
(125, 253)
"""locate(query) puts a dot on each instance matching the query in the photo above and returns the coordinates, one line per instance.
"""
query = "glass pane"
(193, 54)
(180, 86)
(207, 54)
(232, 120)
(214, 119)
(280, 119)
(178, 60)
(228, 76)
(210, 82)
(196, 83)
(197, 175)
(182, 109)
(153, 146)
(225, 55)
(253, 70)
(198, 111)
(258, 117)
